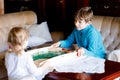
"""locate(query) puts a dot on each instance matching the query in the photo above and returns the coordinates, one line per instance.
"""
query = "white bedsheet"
(72, 63)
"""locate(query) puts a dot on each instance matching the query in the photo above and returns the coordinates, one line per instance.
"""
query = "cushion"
(114, 55)
(35, 41)
(39, 34)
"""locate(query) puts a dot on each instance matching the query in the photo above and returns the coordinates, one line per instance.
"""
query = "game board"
(48, 52)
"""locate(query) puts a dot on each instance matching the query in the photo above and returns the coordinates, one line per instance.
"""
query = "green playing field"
(47, 55)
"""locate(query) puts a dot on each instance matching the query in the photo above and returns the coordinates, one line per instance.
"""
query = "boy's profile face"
(80, 24)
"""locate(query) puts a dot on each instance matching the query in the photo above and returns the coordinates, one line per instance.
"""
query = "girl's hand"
(55, 44)
(80, 52)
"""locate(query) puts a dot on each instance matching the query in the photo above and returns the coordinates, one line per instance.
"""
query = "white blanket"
(72, 63)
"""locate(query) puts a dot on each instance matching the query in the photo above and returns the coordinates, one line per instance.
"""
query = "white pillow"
(114, 55)
(35, 41)
(40, 30)
(38, 34)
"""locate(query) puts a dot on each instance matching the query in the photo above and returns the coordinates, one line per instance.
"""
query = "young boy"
(19, 64)
(85, 35)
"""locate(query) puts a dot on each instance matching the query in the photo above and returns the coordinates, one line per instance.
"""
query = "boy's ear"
(89, 22)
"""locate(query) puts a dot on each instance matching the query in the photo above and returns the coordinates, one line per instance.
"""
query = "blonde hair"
(17, 38)
(85, 13)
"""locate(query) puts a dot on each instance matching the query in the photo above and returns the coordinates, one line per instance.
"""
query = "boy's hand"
(80, 52)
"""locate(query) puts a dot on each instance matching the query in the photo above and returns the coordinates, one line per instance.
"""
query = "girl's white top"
(21, 66)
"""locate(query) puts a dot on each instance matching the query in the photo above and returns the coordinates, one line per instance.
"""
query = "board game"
(48, 52)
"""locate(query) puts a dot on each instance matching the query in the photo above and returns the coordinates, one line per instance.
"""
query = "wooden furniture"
(106, 7)
(1, 6)
(58, 13)
(59, 9)
(18, 5)
(112, 71)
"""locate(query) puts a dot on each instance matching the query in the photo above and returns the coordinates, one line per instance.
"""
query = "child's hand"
(80, 52)
(55, 44)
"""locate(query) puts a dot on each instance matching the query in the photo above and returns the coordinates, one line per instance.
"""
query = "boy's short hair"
(85, 13)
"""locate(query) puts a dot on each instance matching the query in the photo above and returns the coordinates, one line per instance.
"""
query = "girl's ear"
(9, 47)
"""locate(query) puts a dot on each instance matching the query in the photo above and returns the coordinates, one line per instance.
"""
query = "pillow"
(114, 55)
(40, 30)
(38, 34)
(35, 41)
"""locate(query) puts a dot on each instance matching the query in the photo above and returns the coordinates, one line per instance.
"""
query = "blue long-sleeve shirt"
(89, 38)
